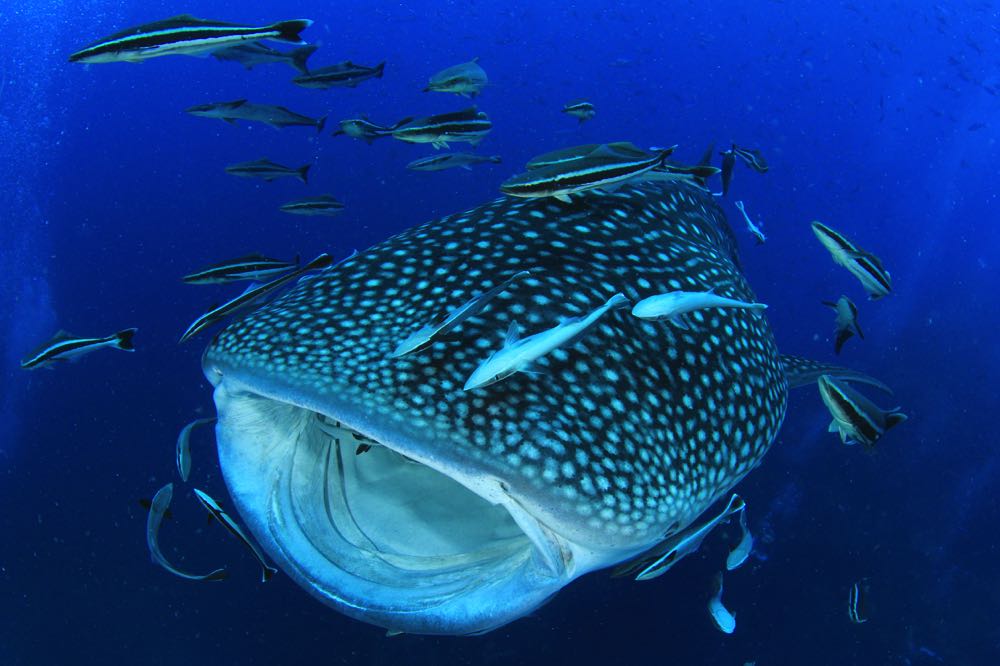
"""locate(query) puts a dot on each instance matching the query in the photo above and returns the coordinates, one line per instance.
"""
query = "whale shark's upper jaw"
(409, 540)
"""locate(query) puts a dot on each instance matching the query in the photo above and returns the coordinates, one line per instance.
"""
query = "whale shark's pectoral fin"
(803, 371)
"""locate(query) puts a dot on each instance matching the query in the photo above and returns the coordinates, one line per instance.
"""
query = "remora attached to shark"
(473, 507)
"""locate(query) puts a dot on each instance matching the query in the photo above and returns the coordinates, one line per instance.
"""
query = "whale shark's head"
(393, 495)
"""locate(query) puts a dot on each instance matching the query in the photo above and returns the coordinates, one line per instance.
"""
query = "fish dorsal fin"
(894, 418)
(237, 103)
(513, 334)
(62, 334)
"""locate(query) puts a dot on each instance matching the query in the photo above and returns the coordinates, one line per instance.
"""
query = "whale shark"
(465, 510)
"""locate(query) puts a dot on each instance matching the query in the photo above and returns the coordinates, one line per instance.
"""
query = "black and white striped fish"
(846, 321)
(267, 170)
(250, 296)
(216, 511)
(469, 125)
(324, 204)
(240, 109)
(443, 161)
(472, 508)
(752, 157)
(580, 109)
(861, 264)
(856, 418)
(857, 607)
(67, 347)
(606, 167)
(254, 267)
(342, 75)
(467, 79)
(183, 35)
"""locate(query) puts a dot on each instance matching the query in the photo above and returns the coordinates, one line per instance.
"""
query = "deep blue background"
(881, 123)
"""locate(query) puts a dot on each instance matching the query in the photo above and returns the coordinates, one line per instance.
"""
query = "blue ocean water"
(879, 121)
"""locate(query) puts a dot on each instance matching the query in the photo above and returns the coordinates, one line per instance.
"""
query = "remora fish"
(477, 506)
(856, 418)
(517, 354)
(857, 611)
(342, 75)
(738, 555)
(467, 79)
(67, 347)
(724, 620)
(323, 204)
(469, 125)
(240, 109)
(267, 170)
(751, 227)
(580, 109)
(184, 446)
(158, 508)
(362, 128)
(424, 336)
(752, 157)
(846, 321)
(250, 267)
(606, 167)
(862, 265)
(183, 35)
(658, 560)
(248, 297)
(253, 54)
(674, 305)
(213, 508)
(444, 161)
(728, 165)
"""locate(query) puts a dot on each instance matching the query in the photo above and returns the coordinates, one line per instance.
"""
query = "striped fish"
(323, 204)
(216, 511)
(752, 158)
(467, 79)
(846, 321)
(342, 75)
(67, 347)
(606, 167)
(472, 508)
(859, 263)
(580, 109)
(857, 607)
(240, 109)
(268, 171)
(855, 417)
(250, 296)
(469, 125)
(183, 35)
(250, 267)
(253, 54)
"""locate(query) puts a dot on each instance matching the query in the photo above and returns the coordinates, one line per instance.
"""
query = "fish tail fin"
(304, 173)
(618, 301)
(320, 124)
(301, 55)
(829, 304)
(802, 372)
(857, 329)
(894, 418)
(664, 154)
(338, 132)
(379, 69)
(123, 339)
(842, 337)
(288, 31)
(267, 574)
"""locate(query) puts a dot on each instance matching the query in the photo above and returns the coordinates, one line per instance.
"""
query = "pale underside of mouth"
(400, 541)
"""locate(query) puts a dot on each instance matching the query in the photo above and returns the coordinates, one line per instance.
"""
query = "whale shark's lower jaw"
(401, 540)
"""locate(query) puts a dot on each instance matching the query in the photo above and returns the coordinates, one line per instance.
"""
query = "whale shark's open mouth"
(414, 545)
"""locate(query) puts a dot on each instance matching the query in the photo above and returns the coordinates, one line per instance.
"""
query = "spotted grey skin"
(625, 438)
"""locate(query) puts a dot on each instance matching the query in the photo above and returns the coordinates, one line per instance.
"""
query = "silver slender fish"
(751, 227)
(738, 555)
(267, 571)
(184, 446)
(724, 620)
(865, 266)
(424, 336)
(157, 508)
(67, 347)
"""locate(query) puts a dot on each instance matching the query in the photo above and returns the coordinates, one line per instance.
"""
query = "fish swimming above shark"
(341, 75)
(470, 509)
(856, 418)
(183, 35)
(580, 109)
(861, 264)
(240, 109)
(268, 171)
(467, 79)
(846, 321)
(469, 125)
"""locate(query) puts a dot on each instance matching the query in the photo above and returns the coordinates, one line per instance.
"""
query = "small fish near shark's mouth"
(412, 543)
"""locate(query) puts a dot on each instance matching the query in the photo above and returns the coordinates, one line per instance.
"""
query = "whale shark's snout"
(396, 497)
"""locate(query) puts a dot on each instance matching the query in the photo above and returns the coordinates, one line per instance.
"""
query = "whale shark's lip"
(403, 536)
